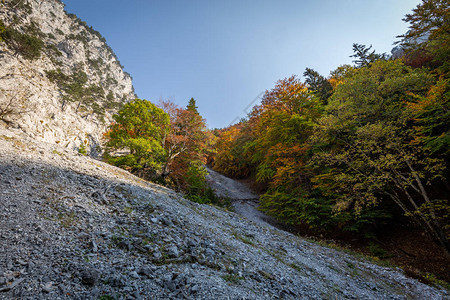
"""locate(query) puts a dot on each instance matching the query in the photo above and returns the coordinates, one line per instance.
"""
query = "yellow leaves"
(438, 90)
(335, 82)
(435, 94)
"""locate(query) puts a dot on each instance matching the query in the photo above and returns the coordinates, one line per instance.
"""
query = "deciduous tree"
(371, 149)
(140, 129)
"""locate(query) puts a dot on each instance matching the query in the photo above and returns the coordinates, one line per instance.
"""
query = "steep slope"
(74, 227)
(59, 80)
(244, 201)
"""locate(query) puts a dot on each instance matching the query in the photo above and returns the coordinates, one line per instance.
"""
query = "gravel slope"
(75, 228)
(244, 201)
(227, 187)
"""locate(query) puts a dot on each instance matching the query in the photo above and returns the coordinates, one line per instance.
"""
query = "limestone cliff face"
(65, 91)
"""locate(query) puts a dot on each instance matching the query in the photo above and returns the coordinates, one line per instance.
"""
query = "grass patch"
(128, 210)
(233, 278)
(243, 239)
(67, 219)
(295, 267)
(57, 152)
(436, 282)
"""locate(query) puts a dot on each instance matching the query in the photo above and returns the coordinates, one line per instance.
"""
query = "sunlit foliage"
(367, 144)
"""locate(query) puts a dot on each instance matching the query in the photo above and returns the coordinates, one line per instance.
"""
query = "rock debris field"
(72, 227)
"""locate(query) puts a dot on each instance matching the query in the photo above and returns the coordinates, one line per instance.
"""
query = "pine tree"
(192, 106)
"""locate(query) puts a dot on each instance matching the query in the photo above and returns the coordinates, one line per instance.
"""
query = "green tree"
(369, 147)
(281, 126)
(432, 113)
(318, 84)
(75, 89)
(428, 37)
(363, 55)
(192, 107)
(140, 129)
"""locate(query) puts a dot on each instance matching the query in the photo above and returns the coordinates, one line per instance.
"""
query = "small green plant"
(128, 210)
(354, 271)
(295, 267)
(233, 278)
(67, 219)
(266, 275)
(243, 239)
(20, 4)
(2, 30)
(57, 152)
(82, 149)
(436, 282)
(33, 29)
(52, 50)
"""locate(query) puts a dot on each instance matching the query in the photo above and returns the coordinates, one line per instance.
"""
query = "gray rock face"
(40, 107)
(51, 218)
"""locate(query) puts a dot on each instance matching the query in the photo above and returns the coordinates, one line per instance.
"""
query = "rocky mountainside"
(59, 80)
(72, 227)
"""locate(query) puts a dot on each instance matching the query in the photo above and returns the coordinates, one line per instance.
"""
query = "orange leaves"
(334, 82)
(289, 95)
(185, 142)
(273, 140)
(287, 163)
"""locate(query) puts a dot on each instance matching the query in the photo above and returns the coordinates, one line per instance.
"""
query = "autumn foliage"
(164, 143)
(361, 150)
(356, 151)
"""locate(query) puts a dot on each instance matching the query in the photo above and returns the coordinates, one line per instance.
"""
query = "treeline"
(164, 143)
(357, 150)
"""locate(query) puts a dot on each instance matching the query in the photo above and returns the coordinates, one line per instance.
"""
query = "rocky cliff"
(59, 80)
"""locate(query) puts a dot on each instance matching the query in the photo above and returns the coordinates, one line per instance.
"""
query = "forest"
(358, 153)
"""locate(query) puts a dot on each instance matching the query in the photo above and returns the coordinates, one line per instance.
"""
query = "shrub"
(28, 46)
(82, 149)
(197, 187)
(21, 4)
(52, 50)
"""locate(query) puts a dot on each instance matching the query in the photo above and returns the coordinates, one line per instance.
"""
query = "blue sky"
(225, 53)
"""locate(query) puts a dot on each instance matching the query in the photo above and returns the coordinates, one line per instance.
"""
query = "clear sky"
(225, 53)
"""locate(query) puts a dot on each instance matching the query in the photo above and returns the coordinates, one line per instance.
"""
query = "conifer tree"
(192, 107)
